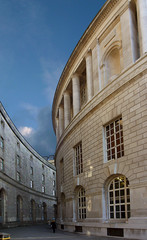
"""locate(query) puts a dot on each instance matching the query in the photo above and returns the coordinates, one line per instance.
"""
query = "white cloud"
(51, 74)
(33, 110)
(26, 131)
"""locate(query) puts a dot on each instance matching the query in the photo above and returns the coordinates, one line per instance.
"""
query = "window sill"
(114, 221)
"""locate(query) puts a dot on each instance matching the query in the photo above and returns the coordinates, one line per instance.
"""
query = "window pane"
(114, 139)
(119, 201)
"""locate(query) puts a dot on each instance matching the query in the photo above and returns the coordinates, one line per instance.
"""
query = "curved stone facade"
(99, 116)
(27, 181)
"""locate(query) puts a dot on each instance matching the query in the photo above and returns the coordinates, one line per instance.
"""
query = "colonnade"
(70, 104)
(66, 109)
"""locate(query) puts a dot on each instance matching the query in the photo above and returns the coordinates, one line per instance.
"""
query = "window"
(53, 183)
(78, 158)
(53, 192)
(18, 160)
(42, 167)
(31, 170)
(18, 144)
(1, 142)
(2, 124)
(18, 176)
(114, 139)
(31, 158)
(81, 204)
(1, 164)
(119, 198)
(43, 178)
(31, 184)
(43, 189)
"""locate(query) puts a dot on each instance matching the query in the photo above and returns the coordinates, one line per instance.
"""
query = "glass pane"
(111, 194)
(111, 186)
(122, 208)
(117, 208)
(111, 208)
(117, 215)
(123, 215)
(122, 193)
(128, 207)
(111, 215)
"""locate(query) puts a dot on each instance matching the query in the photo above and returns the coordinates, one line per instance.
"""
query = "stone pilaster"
(76, 94)
(89, 75)
(142, 19)
(129, 36)
(57, 129)
(67, 108)
(61, 120)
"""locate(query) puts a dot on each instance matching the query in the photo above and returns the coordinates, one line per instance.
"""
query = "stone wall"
(90, 173)
(25, 177)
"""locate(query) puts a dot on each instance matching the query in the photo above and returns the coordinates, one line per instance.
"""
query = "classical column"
(142, 18)
(99, 71)
(57, 129)
(67, 108)
(89, 75)
(61, 120)
(76, 94)
(129, 44)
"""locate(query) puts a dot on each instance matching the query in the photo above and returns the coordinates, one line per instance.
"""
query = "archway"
(2, 206)
(19, 209)
(33, 211)
(44, 211)
(63, 206)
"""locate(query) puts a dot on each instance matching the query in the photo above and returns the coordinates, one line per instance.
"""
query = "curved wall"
(27, 181)
(99, 118)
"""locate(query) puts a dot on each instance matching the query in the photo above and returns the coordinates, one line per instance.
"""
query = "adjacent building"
(100, 119)
(27, 181)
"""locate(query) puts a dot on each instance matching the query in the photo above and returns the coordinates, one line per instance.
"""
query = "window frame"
(18, 160)
(43, 189)
(113, 140)
(81, 204)
(43, 178)
(1, 164)
(1, 142)
(118, 206)
(18, 178)
(31, 184)
(78, 159)
(31, 171)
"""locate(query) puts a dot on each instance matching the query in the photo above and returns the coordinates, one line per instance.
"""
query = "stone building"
(99, 116)
(27, 181)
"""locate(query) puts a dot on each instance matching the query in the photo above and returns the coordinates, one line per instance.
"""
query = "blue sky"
(36, 40)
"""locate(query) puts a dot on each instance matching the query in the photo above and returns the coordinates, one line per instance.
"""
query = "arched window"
(119, 198)
(2, 206)
(44, 211)
(112, 64)
(81, 204)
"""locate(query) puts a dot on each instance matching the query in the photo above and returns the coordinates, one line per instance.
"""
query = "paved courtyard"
(43, 232)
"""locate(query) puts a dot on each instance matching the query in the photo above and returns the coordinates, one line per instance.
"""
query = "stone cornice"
(21, 138)
(97, 21)
(24, 188)
(124, 78)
